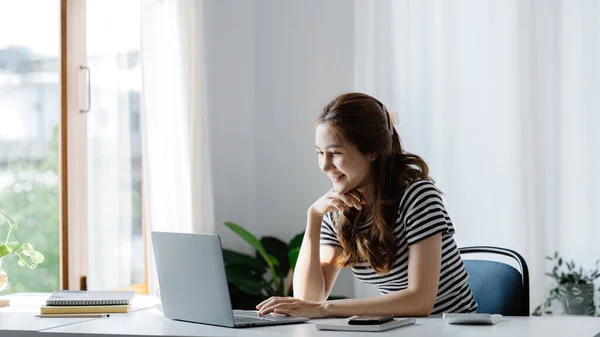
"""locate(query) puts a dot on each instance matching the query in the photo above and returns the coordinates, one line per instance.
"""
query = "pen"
(72, 315)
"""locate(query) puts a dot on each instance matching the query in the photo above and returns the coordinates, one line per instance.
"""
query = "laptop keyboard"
(240, 319)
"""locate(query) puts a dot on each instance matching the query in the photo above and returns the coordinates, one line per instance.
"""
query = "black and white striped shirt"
(421, 215)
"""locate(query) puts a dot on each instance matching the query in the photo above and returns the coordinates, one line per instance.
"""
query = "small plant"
(27, 256)
(270, 271)
(574, 288)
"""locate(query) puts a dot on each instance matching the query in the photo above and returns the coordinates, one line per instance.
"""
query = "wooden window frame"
(73, 234)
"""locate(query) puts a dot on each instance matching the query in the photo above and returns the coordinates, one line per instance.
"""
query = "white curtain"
(178, 192)
(502, 99)
(112, 148)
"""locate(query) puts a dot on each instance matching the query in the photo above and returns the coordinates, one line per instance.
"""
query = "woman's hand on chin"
(333, 201)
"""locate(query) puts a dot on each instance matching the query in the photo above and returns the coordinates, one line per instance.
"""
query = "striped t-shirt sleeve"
(425, 215)
(328, 235)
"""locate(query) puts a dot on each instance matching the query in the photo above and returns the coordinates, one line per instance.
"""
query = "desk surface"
(152, 323)
(19, 320)
(25, 324)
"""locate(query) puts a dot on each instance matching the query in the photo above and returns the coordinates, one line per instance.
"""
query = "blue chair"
(497, 287)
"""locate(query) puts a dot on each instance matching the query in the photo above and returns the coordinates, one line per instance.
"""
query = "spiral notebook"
(89, 298)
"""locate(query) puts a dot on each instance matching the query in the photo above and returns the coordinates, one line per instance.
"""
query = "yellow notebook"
(85, 309)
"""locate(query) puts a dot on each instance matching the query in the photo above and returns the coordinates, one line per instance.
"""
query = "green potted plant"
(574, 288)
(269, 273)
(27, 256)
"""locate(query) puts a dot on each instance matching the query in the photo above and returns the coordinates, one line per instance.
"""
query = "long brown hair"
(365, 122)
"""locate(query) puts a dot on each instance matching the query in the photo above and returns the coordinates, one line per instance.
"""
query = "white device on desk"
(193, 285)
(474, 318)
(346, 325)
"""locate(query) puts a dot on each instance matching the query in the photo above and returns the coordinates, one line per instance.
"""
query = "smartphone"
(369, 320)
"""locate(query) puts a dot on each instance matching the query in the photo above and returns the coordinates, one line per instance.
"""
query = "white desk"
(21, 324)
(19, 320)
(152, 323)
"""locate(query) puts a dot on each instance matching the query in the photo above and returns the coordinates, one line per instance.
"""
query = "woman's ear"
(372, 156)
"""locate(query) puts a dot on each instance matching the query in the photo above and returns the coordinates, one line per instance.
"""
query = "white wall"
(231, 104)
(304, 58)
(272, 66)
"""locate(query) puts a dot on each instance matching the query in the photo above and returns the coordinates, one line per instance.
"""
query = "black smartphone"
(369, 320)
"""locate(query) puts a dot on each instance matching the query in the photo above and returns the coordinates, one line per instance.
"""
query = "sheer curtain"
(113, 146)
(177, 182)
(501, 99)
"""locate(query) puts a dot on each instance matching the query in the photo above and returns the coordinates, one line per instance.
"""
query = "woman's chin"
(341, 188)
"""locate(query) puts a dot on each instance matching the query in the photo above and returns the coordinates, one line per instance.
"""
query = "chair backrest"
(497, 287)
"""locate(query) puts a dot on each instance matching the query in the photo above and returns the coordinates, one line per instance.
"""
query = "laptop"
(193, 285)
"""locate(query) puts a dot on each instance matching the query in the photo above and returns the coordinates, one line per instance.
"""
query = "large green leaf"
(4, 250)
(244, 279)
(293, 257)
(234, 258)
(243, 270)
(253, 241)
(247, 236)
(8, 248)
(273, 260)
(296, 242)
(277, 251)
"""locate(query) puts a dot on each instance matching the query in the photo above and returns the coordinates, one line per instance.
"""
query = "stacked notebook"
(88, 302)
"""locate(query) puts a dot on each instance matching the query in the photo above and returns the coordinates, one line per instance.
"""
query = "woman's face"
(343, 163)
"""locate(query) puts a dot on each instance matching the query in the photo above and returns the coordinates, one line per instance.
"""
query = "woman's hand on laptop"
(291, 306)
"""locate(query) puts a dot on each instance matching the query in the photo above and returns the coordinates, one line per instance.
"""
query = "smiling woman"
(384, 218)
(341, 161)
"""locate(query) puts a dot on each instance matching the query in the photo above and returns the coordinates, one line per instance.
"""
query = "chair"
(497, 287)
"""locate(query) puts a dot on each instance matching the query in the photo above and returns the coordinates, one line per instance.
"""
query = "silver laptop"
(193, 286)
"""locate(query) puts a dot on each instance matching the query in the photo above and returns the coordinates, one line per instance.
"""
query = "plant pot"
(3, 277)
(578, 298)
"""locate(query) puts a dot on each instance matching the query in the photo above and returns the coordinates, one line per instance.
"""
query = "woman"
(384, 217)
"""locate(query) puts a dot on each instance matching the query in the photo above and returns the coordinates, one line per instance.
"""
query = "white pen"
(72, 315)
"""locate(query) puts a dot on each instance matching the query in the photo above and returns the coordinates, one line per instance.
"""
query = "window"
(96, 183)
(29, 139)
